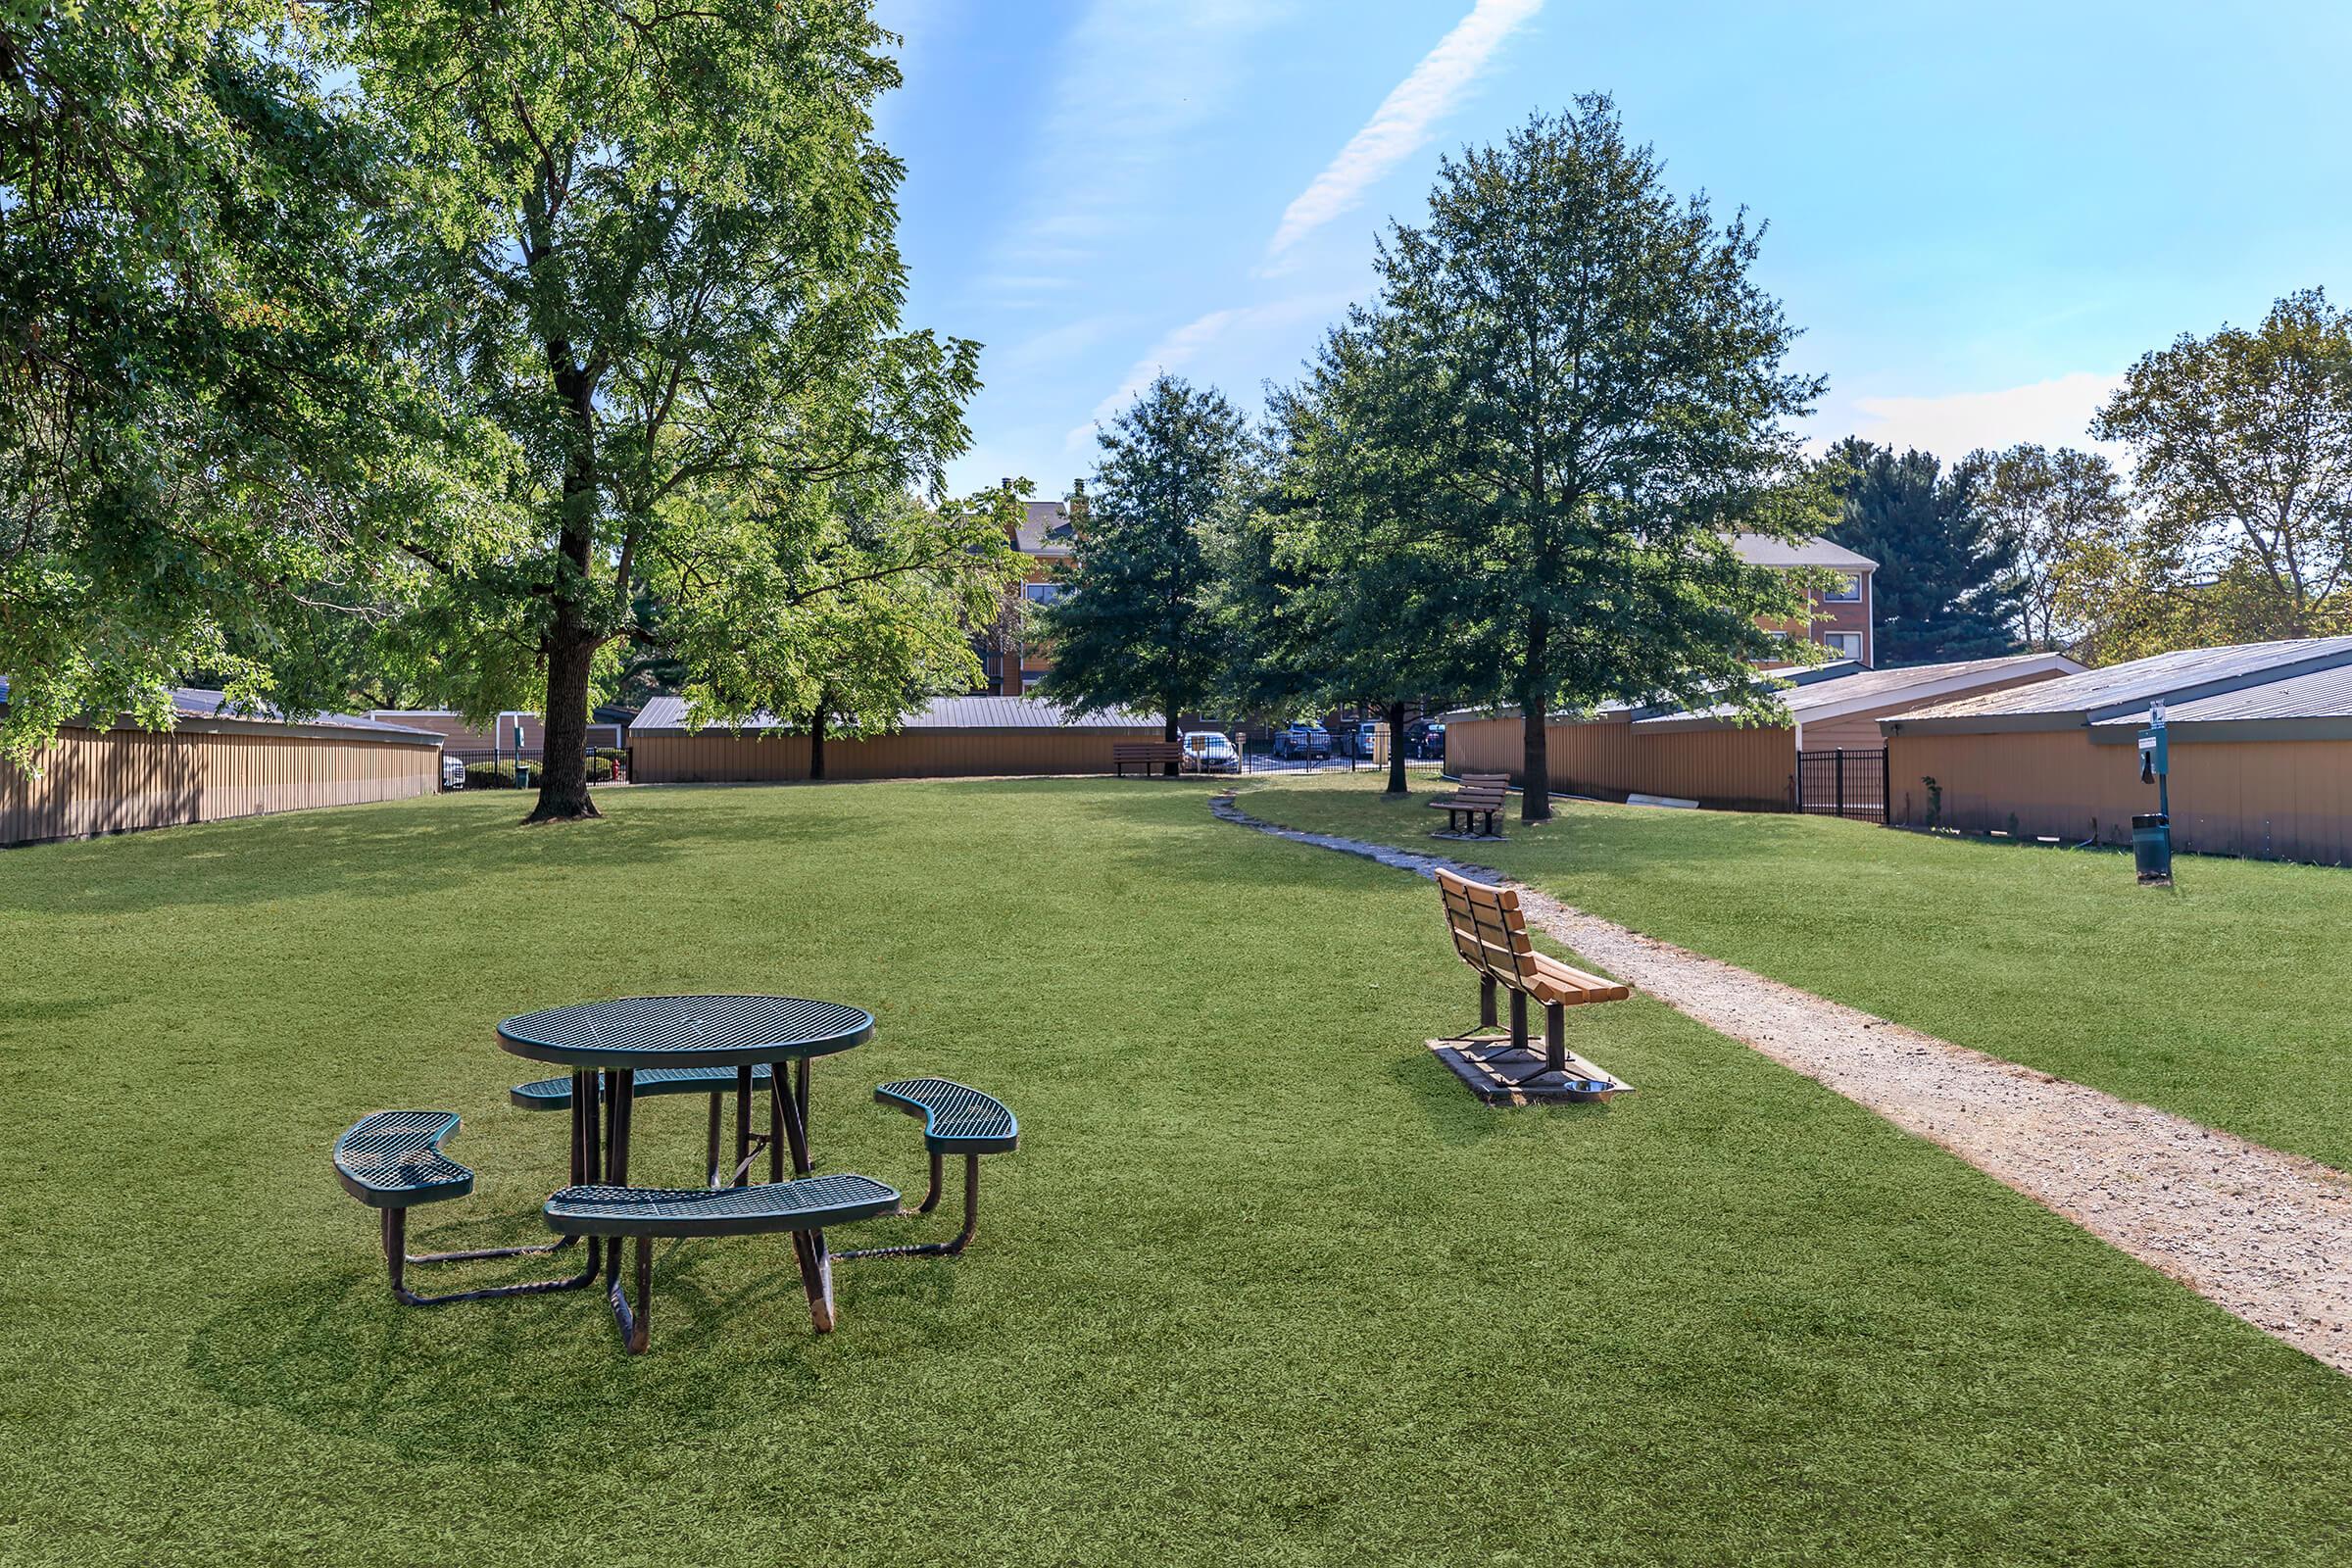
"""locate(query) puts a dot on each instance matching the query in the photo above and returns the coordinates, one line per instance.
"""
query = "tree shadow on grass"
(398, 848)
(544, 1382)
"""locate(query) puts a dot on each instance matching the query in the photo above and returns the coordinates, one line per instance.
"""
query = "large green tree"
(1947, 586)
(1343, 590)
(2053, 509)
(2241, 445)
(869, 618)
(1141, 621)
(1589, 385)
(203, 427)
(655, 247)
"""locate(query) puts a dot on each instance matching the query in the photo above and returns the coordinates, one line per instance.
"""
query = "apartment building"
(1840, 618)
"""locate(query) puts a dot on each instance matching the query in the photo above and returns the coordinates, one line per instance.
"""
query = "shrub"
(501, 775)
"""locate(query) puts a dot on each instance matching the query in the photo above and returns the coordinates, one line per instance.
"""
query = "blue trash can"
(2152, 847)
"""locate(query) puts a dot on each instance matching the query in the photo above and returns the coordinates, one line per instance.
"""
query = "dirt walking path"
(2265, 1235)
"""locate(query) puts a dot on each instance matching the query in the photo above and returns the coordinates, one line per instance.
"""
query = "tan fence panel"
(2288, 800)
(90, 782)
(1749, 767)
(718, 757)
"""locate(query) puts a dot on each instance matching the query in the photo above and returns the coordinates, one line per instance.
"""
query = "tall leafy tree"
(2052, 508)
(1343, 590)
(1947, 586)
(1140, 622)
(871, 616)
(655, 247)
(2242, 466)
(1589, 387)
(203, 431)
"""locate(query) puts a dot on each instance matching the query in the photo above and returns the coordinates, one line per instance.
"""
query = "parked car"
(1208, 752)
(1432, 742)
(1304, 738)
(452, 772)
(1358, 739)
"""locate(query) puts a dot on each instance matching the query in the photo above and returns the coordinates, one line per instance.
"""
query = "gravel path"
(2265, 1235)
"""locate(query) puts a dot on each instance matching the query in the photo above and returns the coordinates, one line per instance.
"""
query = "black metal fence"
(610, 769)
(1842, 783)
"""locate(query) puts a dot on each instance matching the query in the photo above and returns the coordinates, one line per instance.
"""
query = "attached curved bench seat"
(956, 1120)
(555, 1094)
(803, 1208)
(810, 1202)
(392, 1161)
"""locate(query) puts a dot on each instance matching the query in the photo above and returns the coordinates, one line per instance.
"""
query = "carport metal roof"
(2179, 679)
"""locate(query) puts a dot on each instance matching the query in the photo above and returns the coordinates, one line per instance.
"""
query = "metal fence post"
(1840, 754)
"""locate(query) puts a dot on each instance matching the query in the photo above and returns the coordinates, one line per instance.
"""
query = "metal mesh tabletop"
(686, 1031)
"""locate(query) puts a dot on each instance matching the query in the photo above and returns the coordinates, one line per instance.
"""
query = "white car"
(452, 772)
(1208, 752)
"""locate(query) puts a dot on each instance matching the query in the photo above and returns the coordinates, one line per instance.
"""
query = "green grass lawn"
(1262, 1286)
(2220, 998)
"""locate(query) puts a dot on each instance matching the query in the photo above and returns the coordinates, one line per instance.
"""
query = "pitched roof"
(1046, 530)
(2095, 696)
(668, 716)
(2317, 705)
(1836, 690)
(1761, 550)
(206, 704)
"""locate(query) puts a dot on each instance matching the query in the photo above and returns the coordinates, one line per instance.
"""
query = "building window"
(1844, 644)
(1040, 592)
(1849, 590)
(1030, 678)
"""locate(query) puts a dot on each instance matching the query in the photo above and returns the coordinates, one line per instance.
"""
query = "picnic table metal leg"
(743, 1124)
(816, 1277)
(787, 1109)
(962, 1238)
(775, 1141)
(713, 1174)
(636, 1322)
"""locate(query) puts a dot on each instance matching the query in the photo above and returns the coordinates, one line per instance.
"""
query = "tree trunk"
(816, 740)
(1534, 797)
(571, 642)
(1168, 730)
(1396, 747)
(564, 760)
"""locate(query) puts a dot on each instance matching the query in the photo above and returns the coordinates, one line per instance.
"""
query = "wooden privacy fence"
(1607, 755)
(717, 755)
(89, 782)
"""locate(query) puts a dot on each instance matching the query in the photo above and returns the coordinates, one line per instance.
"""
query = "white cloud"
(2056, 413)
(1180, 347)
(1405, 119)
(1134, 77)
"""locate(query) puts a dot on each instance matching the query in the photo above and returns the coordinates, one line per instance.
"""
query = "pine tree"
(1140, 623)
(1947, 586)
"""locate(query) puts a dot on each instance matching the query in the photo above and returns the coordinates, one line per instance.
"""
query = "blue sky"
(1980, 213)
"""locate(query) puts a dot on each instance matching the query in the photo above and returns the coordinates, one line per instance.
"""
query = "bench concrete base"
(1500, 1074)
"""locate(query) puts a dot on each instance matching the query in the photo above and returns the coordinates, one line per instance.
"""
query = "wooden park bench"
(1491, 934)
(1152, 756)
(1480, 795)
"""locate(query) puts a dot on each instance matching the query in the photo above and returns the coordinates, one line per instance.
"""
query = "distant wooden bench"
(1153, 757)
(1491, 934)
(1480, 795)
